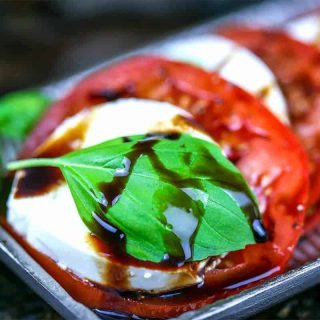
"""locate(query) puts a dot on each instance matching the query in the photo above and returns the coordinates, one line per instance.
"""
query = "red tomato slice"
(267, 153)
(297, 68)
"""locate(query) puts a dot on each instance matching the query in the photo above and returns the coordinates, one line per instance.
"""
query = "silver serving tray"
(242, 305)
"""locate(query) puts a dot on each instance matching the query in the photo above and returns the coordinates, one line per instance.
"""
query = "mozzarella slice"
(51, 224)
(306, 28)
(234, 63)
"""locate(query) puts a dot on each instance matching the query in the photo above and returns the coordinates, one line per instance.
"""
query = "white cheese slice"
(306, 28)
(234, 63)
(51, 224)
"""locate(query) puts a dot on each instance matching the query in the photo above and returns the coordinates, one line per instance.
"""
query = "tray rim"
(244, 304)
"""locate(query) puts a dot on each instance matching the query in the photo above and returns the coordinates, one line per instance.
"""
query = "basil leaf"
(19, 111)
(176, 198)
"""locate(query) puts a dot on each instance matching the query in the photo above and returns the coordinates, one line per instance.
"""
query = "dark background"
(46, 40)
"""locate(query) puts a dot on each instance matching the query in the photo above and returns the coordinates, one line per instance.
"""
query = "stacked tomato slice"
(297, 68)
(266, 151)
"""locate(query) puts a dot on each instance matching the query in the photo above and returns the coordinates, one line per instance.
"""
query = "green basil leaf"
(172, 198)
(19, 111)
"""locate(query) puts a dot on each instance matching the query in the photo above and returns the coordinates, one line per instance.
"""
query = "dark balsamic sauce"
(113, 190)
(259, 231)
(38, 181)
(41, 180)
(5, 189)
(104, 95)
(190, 294)
(126, 139)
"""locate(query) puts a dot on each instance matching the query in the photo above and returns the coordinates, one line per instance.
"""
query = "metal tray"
(242, 305)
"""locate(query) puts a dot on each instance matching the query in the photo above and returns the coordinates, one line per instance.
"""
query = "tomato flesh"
(296, 66)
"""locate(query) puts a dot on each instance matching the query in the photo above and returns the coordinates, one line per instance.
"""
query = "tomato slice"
(268, 154)
(297, 68)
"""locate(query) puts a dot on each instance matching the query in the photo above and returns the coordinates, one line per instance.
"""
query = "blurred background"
(42, 41)
(46, 40)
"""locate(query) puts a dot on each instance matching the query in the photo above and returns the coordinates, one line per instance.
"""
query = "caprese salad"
(174, 178)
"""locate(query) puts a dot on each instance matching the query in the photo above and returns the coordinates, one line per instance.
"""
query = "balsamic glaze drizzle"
(112, 192)
(114, 94)
(40, 180)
